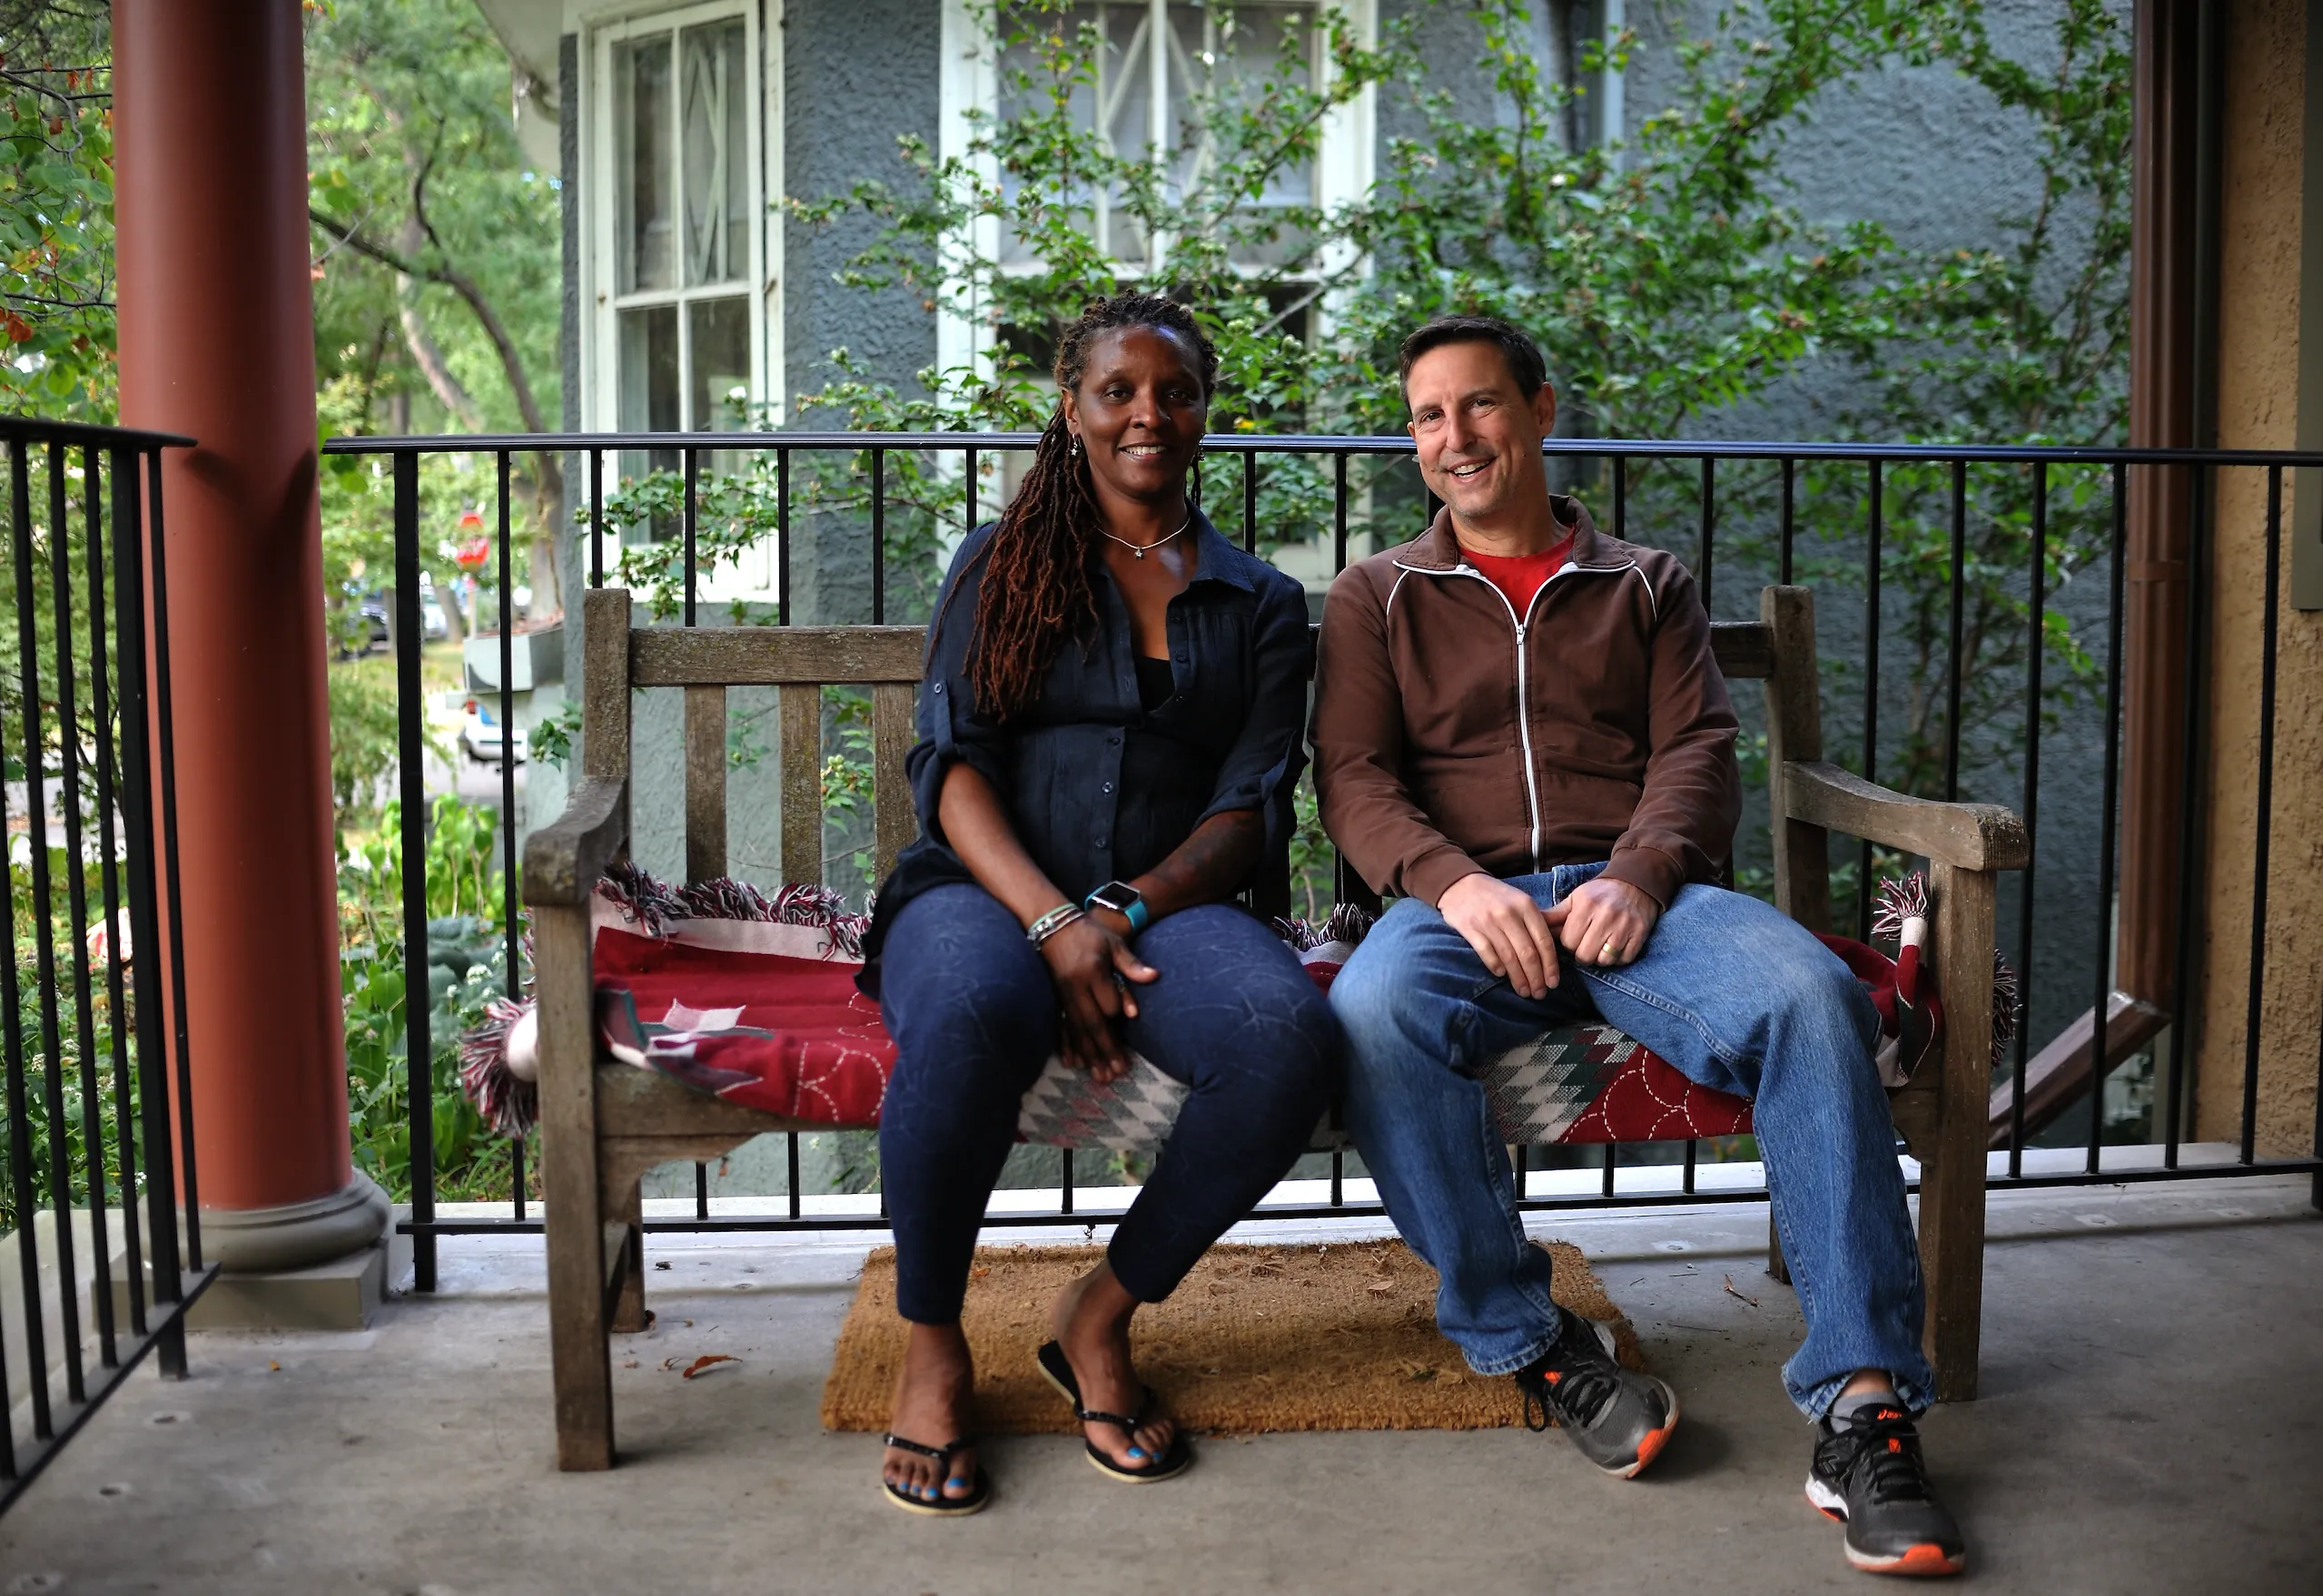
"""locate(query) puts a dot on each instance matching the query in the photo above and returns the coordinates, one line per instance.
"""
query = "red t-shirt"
(1520, 575)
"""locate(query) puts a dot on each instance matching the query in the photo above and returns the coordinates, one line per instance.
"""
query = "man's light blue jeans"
(1732, 993)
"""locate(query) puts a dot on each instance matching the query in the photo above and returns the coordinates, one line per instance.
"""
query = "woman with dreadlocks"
(1110, 730)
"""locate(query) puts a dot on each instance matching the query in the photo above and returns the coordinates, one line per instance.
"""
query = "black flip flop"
(1176, 1461)
(943, 1507)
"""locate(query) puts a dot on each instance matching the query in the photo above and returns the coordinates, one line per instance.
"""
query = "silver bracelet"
(1054, 922)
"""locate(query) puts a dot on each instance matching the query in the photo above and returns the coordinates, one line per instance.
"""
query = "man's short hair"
(1516, 347)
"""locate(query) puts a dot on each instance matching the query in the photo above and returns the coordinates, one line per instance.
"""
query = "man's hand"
(1604, 923)
(1506, 929)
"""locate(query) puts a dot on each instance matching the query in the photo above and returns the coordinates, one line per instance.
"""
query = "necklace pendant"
(1141, 553)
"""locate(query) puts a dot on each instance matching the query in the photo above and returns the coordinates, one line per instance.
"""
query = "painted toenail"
(1136, 1452)
(957, 1480)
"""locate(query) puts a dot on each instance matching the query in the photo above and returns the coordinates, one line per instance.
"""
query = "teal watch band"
(1123, 899)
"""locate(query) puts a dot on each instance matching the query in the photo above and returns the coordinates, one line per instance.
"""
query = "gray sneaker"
(1867, 1474)
(1620, 1421)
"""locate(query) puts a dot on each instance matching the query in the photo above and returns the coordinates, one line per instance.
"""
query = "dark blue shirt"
(1098, 787)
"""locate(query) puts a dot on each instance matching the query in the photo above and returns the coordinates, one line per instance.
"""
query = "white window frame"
(1343, 166)
(762, 283)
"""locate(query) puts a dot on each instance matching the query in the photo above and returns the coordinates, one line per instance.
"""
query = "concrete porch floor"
(2151, 1421)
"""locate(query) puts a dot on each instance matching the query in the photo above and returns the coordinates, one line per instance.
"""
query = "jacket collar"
(1436, 551)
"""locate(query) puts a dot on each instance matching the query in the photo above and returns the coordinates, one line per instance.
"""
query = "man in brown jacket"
(1520, 732)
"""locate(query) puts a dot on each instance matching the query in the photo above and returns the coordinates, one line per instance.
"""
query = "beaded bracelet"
(1054, 922)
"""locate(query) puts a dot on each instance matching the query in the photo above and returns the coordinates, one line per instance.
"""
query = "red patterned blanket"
(751, 999)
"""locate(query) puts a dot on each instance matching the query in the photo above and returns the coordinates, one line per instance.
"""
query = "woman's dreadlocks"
(1038, 563)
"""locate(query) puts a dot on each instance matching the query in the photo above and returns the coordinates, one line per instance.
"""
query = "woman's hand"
(1092, 965)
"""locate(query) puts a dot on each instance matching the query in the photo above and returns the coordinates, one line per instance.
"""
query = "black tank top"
(1155, 683)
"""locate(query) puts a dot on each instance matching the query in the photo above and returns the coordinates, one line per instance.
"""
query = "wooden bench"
(604, 1124)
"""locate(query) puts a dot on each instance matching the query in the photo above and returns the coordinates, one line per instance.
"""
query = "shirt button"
(939, 687)
(1114, 741)
(1106, 788)
(1101, 841)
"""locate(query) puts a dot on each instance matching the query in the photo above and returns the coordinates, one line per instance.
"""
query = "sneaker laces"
(1886, 1447)
(1575, 1390)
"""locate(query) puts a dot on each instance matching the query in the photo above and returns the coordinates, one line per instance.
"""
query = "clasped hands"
(1603, 923)
(1091, 964)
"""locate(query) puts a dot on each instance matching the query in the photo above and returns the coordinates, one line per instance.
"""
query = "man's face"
(1478, 433)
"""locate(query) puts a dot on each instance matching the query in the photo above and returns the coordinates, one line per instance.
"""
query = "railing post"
(412, 849)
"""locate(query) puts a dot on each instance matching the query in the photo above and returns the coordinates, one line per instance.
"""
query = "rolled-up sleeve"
(949, 732)
(1263, 766)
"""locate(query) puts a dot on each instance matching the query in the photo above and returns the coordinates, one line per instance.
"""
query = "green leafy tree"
(438, 270)
(56, 308)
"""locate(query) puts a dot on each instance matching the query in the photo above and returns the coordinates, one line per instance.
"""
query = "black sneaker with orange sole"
(1868, 1475)
(1619, 1420)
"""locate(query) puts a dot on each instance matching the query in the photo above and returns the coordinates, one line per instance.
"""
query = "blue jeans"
(974, 1017)
(1731, 993)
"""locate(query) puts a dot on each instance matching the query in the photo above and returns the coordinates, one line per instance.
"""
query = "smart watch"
(1122, 899)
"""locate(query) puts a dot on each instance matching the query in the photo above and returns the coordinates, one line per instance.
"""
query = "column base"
(296, 1236)
(340, 1295)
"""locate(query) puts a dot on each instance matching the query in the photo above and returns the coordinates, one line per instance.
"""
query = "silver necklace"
(1139, 548)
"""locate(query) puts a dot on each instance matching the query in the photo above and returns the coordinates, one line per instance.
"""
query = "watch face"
(1116, 896)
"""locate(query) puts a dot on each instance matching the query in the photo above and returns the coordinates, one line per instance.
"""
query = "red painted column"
(217, 342)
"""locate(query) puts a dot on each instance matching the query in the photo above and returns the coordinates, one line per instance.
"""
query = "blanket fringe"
(1899, 902)
(509, 1105)
(1346, 923)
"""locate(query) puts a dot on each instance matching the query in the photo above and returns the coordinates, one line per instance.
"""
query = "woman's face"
(1140, 411)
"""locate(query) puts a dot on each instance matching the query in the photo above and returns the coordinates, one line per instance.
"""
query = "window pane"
(641, 164)
(721, 375)
(717, 147)
(1231, 52)
(1115, 105)
(1233, 55)
(647, 371)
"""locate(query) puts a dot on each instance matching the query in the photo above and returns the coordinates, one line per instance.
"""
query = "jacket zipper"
(1524, 698)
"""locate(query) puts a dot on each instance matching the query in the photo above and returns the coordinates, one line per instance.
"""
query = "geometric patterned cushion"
(1591, 1083)
(1576, 1083)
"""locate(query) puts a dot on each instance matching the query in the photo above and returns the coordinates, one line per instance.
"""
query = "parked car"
(377, 609)
(480, 735)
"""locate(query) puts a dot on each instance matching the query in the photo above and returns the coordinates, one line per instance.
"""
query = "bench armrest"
(1969, 836)
(563, 861)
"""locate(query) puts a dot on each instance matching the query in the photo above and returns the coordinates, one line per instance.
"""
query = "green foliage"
(364, 733)
(466, 968)
(551, 737)
(56, 313)
(413, 156)
(1668, 278)
(438, 287)
(71, 1047)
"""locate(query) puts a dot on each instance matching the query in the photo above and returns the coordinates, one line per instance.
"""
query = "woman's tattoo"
(1213, 863)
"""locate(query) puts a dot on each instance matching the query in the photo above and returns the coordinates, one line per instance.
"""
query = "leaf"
(706, 1361)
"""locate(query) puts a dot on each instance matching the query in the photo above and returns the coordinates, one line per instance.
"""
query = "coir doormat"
(1259, 1338)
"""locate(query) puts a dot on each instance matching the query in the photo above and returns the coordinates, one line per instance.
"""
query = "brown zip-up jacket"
(1452, 735)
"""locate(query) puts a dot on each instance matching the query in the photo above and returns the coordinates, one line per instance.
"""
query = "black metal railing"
(101, 1192)
(1934, 545)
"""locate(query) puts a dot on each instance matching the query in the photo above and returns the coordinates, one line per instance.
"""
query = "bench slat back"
(799, 662)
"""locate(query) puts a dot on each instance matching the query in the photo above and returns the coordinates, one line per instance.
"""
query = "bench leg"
(629, 1296)
(1776, 1264)
(579, 1358)
(1952, 1183)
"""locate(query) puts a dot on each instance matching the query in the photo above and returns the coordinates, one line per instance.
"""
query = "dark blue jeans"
(1734, 995)
(974, 1017)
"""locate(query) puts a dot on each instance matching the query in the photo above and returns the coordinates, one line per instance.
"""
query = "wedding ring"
(1605, 954)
